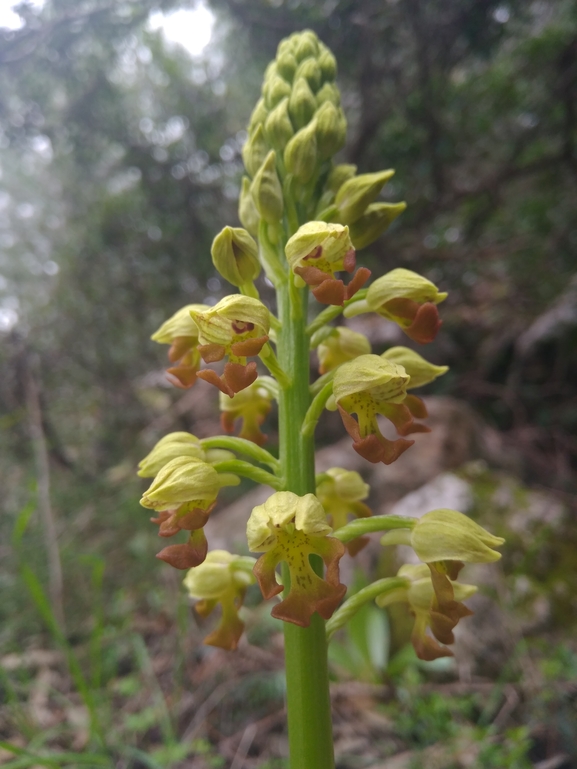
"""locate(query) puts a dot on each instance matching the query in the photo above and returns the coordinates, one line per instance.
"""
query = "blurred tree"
(120, 159)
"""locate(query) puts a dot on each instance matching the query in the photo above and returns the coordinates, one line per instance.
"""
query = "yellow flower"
(409, 300)
(316, 252)
(181, 333)
(368, 386)
(252, 406)
(441, 615)
(237, 327)
(222, 578)
(290, 528)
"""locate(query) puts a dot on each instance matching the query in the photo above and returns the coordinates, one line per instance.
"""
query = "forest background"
(120, 161)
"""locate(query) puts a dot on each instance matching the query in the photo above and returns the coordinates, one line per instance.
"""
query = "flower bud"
(235, 255)
(286, 65)
(267, 191)
(258, 116)
(409, 300)
(339, 175)
(310, 70)
(300, 155)
(291, 528)
(278, 127)
(420, 370)
(376, 219)
(447, 535)
(305, 45)
(174, 445)
(275, 90)
(328, 93)
(255, 151)
(302, 103)
(342, 345)
(357, 193)
(331, 130)
(247, 212)
(327, 63)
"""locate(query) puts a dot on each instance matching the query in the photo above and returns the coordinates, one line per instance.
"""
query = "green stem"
(361, 526)
(241, 446)
(352, 605)
(308, 699)
(257, 474)
(315, 410)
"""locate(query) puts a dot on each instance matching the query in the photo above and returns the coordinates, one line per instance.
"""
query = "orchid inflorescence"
(304, 218)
